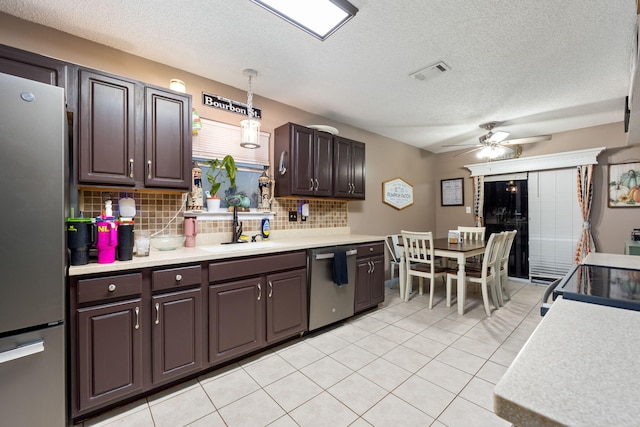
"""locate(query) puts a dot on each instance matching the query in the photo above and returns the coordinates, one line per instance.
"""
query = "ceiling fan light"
(484, 153)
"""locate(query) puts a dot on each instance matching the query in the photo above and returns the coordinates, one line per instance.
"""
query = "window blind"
(215, 140)
(555, 223)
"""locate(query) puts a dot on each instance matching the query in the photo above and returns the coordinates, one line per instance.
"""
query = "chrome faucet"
(237, 227)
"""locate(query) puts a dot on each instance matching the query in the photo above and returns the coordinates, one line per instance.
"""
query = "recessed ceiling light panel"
(320, 18)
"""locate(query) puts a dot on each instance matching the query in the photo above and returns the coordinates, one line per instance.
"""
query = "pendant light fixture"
(250, 127)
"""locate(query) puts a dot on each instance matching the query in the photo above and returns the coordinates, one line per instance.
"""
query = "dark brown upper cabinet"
(32, 66)
(349, 168)
(313, 163)
(304, 157)
(167, 139)
(132, 134)
(107, 124)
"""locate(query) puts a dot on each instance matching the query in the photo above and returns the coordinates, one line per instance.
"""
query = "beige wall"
(386, 158)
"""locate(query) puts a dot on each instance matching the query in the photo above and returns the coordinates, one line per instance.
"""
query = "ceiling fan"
(495, 143)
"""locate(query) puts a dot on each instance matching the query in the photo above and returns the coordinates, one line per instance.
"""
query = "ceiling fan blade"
(469, 151)
(498, 136)
(459, 145)
(527, 140)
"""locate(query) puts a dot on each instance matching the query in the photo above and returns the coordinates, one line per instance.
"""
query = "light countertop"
(580, 367)
(212, 251)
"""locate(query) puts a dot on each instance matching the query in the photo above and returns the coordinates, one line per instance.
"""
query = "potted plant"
(219, 169)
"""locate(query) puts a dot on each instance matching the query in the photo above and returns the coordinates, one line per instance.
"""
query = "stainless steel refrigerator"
(32, 253)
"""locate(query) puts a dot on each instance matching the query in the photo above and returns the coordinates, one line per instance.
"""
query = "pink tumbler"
(190, 230)
(107, 241)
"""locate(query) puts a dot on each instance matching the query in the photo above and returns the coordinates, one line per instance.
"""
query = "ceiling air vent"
(431, 71)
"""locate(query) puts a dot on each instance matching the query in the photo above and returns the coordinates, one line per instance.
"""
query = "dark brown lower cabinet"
(134, 332)
(286, 304)
(236, 321)
(248, 314)
(369, 277)
(109, 353)
(176, 335)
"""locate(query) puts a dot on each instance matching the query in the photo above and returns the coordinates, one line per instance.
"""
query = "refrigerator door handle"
(22, 351)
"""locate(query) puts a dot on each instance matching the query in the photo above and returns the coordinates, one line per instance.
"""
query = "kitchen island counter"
(580, 367)
(214, 251)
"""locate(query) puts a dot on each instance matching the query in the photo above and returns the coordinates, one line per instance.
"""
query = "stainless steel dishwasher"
(328, 302)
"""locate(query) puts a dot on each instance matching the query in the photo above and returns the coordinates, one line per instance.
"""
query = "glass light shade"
(250, 130)
(196, 124)
(177, 85)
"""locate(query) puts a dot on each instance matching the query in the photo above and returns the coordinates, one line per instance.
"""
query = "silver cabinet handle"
(137, 310)
(178, 277)
(22, 351)
(370, 267)
(270, 289)
(259, 291)
(157, 313)
(373, 267)
(130, 168)
(112, 287)
(316, 188)
(311, 184)
(149, 169)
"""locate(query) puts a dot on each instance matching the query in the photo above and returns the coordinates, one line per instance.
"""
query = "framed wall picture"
(397, 193)
(452, 192)
(624, 185)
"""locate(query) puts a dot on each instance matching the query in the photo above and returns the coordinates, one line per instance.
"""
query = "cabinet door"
(236, 318)
(362, 294)
(349, 172)
(323, 164)
(377, 280)
(302, 160)
(357, 169)
(109, 349)
(342, 168)
(107, 130)
(176, 334)
(286, 304)
(167, 139)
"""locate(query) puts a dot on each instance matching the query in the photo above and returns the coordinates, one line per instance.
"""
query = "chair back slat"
(418, 246)
(474, 234)
(506, 248)
(491, 253)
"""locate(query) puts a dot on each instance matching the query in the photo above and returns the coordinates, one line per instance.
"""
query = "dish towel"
(340, 273)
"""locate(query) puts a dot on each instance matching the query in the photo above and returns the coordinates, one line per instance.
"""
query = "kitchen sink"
(240, 246)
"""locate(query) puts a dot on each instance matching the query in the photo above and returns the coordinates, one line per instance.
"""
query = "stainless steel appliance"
(328, 302)
(32, 254)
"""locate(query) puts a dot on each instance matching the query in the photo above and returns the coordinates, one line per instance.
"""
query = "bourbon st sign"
(230, 105)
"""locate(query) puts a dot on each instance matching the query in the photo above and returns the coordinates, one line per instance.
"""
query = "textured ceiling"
(540, 67)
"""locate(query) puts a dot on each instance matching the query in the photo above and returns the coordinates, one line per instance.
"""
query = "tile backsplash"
(155, 211)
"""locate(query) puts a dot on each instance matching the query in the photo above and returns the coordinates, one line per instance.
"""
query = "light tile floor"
(400, 365)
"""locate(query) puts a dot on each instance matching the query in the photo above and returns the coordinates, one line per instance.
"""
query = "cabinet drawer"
(176, 277)
(369, 249)
(255, 266)
(109, 287)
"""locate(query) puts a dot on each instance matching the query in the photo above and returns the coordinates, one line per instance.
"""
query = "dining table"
(460, 251)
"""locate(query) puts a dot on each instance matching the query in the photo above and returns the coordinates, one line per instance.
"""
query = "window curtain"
(585, 200)
(478, 200)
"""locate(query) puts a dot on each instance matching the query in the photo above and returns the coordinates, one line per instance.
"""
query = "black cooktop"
(611, 286)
